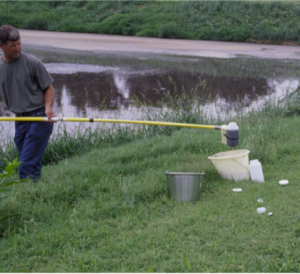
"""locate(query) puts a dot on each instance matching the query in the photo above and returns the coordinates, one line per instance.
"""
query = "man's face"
(11, 51)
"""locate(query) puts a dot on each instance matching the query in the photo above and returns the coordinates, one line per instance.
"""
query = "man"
(26, 88)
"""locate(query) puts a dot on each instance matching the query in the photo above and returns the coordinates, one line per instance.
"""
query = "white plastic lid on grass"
(261, 210)
(283, 182)
(237, 190)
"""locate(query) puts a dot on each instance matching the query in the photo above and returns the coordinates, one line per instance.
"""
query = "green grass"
(108, 210)
(272, 1)
(275, 21)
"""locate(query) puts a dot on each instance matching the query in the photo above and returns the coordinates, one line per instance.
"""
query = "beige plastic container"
(233, 164)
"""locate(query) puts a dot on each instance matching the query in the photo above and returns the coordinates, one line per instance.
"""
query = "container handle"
(239, 163)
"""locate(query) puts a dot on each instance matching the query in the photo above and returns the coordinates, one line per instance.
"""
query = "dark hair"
(8, 33)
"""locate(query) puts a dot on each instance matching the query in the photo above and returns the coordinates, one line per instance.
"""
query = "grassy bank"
(108, 210)
(272, 22)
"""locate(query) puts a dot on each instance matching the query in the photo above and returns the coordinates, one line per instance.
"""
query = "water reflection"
(113, 90)
(82, 93)
(98, 85)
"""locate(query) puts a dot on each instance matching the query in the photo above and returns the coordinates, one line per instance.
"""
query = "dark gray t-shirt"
(22, 83)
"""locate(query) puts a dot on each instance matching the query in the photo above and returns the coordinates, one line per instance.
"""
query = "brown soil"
(268, 42)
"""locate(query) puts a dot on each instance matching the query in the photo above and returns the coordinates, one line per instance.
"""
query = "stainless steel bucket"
(185, 187)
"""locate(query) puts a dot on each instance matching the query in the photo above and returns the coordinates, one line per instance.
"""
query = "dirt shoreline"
(132, 44)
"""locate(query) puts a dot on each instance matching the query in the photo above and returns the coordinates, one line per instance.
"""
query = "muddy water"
(109, 85)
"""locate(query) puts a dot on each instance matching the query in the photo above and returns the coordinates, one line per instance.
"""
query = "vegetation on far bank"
(251, 21)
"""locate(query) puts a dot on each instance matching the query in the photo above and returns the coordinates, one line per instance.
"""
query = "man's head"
(10, 43)
(8, 33)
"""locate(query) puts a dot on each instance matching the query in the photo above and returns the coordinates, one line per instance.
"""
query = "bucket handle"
(239, 163)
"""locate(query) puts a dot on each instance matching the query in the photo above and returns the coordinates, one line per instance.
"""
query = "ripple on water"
(66, 68)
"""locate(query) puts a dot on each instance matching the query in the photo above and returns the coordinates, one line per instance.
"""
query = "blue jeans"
(31, 139)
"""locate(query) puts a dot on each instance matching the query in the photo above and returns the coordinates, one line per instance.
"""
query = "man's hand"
(49, 99)
(49, 113)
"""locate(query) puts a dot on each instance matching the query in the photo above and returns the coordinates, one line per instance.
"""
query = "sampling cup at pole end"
(232, 134)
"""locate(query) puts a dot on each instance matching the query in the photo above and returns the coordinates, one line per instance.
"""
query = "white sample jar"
(256, 172)
(261, 210)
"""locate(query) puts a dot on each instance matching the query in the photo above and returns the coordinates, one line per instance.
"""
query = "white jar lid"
(283, 182)
(236, 189)
(232, 126)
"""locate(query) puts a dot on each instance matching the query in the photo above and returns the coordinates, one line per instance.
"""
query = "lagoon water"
(126, 85)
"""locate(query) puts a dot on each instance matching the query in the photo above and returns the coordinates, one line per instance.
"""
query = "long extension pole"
(230, 133)
(66, 119)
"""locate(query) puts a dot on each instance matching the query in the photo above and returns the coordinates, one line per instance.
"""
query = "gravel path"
(131, 44)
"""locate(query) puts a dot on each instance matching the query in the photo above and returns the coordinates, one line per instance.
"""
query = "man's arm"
(49, 96)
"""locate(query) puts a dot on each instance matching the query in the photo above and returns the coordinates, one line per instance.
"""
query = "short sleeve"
(43, 77)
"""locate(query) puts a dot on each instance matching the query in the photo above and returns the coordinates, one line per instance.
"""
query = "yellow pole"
(66, 119)
(23, 119)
